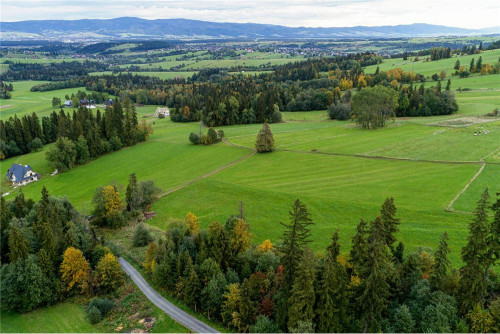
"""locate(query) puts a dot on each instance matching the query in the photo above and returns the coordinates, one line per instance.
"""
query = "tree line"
(80, 136)
(287, 287)
(51, 71)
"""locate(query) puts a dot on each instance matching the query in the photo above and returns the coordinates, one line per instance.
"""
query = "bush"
(103, 305)
(340, 111)
(212, 136)
(94, 315)
(465, 74)
(264, 325)
(115, 143)
(194, 138)
(142, 237)
(35, 145)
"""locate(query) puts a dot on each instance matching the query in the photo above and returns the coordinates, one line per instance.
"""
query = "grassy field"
(343, 173)
(59, 318)
(428, 68)
(24, 101)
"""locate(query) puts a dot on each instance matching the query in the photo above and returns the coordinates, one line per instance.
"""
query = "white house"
(162, 111)
(20, 175)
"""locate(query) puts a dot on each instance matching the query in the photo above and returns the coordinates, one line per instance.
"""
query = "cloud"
(294, 13)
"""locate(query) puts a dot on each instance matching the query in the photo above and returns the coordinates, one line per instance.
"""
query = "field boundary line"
(450, 205)
(215, 171)
(381, 157)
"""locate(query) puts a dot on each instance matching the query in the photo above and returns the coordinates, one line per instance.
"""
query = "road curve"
(173, 311)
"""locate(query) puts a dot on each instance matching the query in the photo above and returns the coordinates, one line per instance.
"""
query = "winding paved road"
(173, 311)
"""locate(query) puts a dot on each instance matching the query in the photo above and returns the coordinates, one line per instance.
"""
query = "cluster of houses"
(19, 175)
(87, 103)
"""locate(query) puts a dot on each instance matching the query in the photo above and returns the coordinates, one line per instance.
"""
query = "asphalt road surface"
(173, 311)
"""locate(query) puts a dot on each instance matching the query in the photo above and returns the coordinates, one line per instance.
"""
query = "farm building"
(162, 111)
(20, 175)
(68, 104)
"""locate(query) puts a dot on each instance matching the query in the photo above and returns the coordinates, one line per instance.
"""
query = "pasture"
(24, 101)
(428, 68)
(343, 173)
(59, 318)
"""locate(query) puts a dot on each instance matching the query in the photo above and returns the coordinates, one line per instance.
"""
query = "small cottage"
(20, 175)
(162, 112)
(108, 103)
(68, 104)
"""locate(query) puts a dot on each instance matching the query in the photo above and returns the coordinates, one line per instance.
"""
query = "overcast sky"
(309, 13)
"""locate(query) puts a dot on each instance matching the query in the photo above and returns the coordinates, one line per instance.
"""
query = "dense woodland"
(285, 286)
(51, 71)
(80, 136)
(49, 254)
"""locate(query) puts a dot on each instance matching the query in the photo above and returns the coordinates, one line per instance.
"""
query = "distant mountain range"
(136, 28)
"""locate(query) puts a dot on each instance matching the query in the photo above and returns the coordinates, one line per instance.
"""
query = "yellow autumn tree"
(230, 306)
(240, 238)
(150, 262)
(192, 223)
(345, 84)
(265, 246)
(361, 82)
(75, 270)
(112, 202)
(108, 273)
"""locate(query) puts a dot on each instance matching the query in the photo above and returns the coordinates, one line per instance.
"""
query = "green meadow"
(343, 173)
(59, 318)
(24, 101)
(428, 68)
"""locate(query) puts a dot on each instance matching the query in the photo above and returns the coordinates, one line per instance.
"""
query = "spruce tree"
(265, 140)
(18, 245)
(333, 300)
(295, 237)
(303, 296)
(390, 222)
(359, 251)
(479, 64)
(441, 264)
(475, 257)
(247, 307)
(448, 85)
(374, 294)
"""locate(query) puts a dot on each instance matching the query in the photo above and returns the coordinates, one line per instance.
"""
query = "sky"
(293, 13)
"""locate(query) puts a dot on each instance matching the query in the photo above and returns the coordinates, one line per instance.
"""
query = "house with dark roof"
(20, 175)
(109, 103)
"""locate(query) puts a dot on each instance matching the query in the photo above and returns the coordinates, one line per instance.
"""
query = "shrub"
(264, 325)
(35, 145)
(115, 143)
(103, 305)
(220, 133)
(340, 111)
(94, 315)
(212, 136)
(194, 138)
(142, 237)
(465, 74)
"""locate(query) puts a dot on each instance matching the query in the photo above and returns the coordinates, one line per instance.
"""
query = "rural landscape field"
(208, 180)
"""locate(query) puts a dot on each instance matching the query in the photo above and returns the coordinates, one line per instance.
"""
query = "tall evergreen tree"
(441, 263)
(360, 247)
(333, 300)
(390, 222)
(18, 245)
(303, 296)
(475, 257)
(295, 237)
(375, 273)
